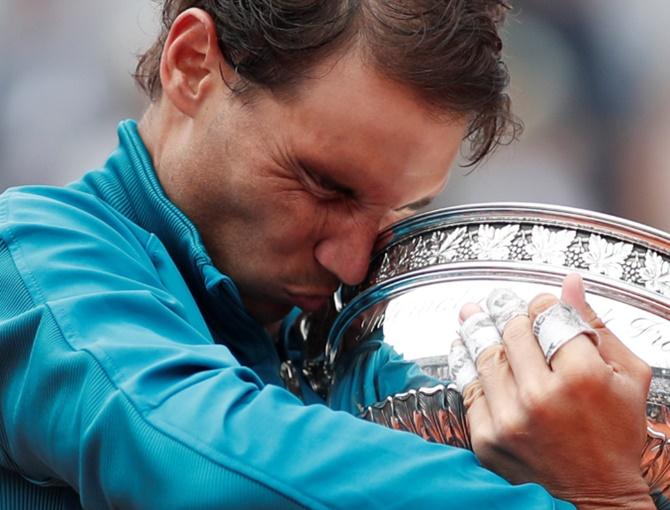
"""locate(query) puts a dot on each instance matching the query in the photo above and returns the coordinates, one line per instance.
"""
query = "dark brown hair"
(448, 51)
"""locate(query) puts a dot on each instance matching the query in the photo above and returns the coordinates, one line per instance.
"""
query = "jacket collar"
(128, 183)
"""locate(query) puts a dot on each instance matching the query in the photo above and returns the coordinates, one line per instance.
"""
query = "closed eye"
(326, 185)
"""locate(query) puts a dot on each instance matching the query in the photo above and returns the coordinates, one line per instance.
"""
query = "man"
(136, 370)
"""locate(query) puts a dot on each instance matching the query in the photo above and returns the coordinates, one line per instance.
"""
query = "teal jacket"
(132, 377)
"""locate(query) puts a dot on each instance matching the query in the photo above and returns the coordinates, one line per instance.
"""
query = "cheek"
(295, 222)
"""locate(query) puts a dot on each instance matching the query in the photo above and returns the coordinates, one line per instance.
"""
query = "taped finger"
(558, 325)
(462, 369)
(479, 333)
(503, 306)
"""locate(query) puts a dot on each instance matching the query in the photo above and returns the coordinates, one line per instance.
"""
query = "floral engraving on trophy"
(554, 246)
(606, 257)
(656, 273)
(494, 243)
(438, 247)
(549, 247)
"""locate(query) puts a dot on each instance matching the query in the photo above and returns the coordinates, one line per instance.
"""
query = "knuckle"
(511, 428)
(483, 442)
(533, 399)
(471, 393)
(517, 328)
(540, 405)
(491, 360)
(482, 437)
(586, 383)
(541, 302)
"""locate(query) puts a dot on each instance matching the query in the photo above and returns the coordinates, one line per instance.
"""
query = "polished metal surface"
(425, 268)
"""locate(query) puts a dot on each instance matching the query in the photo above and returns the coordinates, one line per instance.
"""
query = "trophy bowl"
(425, 268)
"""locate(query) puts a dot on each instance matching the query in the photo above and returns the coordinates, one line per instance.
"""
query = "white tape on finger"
(505, 305)
(462, 369)
(557, 325)
(479, 333)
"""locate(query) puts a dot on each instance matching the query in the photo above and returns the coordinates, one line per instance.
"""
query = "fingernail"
(468, 310)
(573, 292)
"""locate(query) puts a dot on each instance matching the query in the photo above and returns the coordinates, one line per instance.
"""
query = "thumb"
(612, 350)
(573, 294)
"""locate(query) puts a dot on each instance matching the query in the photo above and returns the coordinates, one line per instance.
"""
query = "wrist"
(644, 503)
(634, 495)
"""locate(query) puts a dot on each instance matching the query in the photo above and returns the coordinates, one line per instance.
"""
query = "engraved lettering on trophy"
(651, 331)
(372, 323)
(607, 316)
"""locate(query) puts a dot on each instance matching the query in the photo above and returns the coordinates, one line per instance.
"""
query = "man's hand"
(575, 425)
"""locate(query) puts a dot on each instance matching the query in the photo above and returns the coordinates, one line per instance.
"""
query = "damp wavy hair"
(448, 51)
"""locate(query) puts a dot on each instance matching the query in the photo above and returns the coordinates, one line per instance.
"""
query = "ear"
(191, 62)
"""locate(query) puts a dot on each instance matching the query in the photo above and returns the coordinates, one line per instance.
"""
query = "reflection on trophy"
(425, 268)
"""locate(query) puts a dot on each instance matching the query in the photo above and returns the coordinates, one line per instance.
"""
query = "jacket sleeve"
(111, 385)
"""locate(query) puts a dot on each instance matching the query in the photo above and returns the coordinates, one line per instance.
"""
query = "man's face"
(290, 194)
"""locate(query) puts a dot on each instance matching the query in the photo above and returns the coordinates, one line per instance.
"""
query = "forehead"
(377, 131)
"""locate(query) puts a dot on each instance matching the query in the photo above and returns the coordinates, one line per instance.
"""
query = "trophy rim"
(555, 236)
(525, 212)
(449, 244)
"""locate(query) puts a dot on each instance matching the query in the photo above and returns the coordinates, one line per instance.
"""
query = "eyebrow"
(328, 180)
(415, 206)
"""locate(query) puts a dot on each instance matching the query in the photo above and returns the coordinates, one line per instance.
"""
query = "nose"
(346, 251)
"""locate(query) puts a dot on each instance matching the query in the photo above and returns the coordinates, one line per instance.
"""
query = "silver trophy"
(425, 268)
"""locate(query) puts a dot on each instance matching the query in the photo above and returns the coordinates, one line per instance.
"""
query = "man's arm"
(110, 384)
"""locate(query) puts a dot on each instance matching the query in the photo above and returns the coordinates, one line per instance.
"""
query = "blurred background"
(590, 80)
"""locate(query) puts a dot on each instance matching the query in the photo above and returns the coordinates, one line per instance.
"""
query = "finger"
(477, 412)
(467, 310)
(484, 344)
(524, 355)
(473, 394)
(561, 334)
(572, 292)
(462, 371)
(479, 333)
(612, 350)
(483, 437)
(504, 305)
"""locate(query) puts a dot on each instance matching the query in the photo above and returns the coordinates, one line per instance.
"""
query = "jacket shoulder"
(59, 237)
(61, 206)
